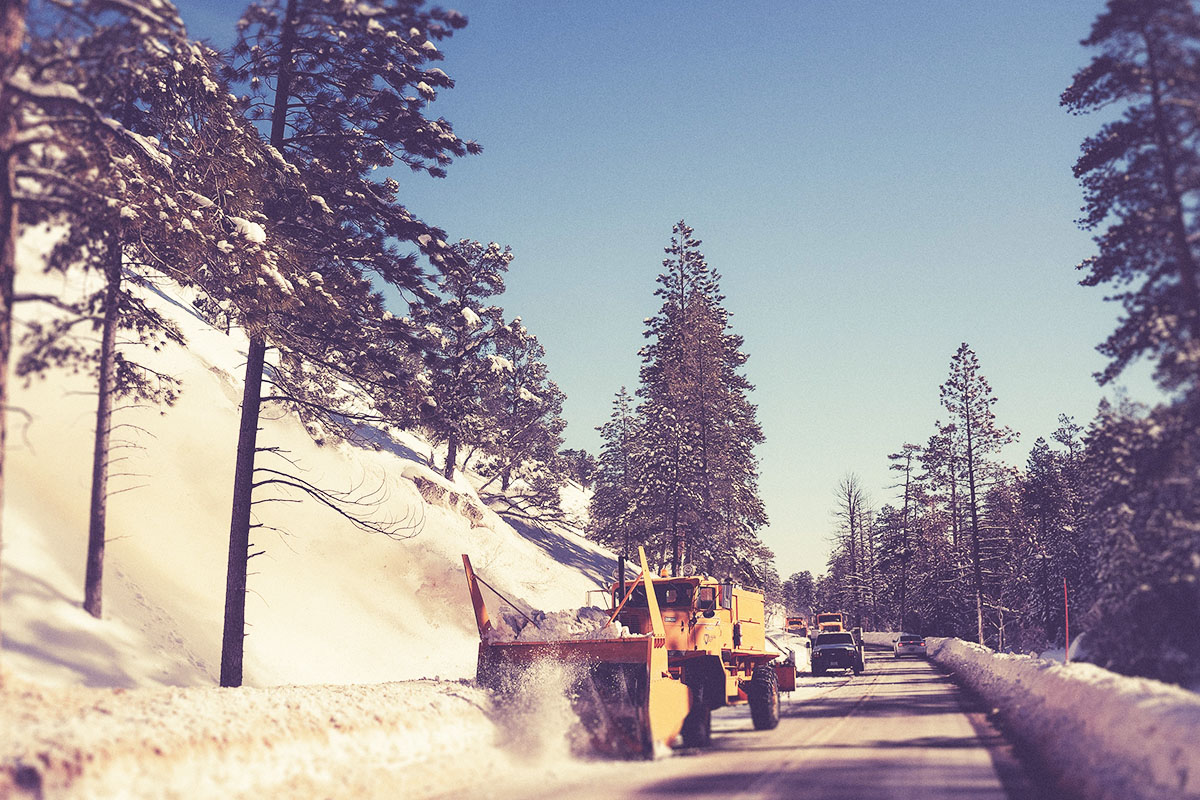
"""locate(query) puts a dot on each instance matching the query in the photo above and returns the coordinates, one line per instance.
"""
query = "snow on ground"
(1104, 735)
(335, 616)
(341, 623)
(327, 603)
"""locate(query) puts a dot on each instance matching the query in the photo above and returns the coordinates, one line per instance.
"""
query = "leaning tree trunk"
(234, 634)
(232, 640)
(12, 32)
(93, 583)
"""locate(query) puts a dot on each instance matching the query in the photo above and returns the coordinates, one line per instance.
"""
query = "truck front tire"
(763, 694)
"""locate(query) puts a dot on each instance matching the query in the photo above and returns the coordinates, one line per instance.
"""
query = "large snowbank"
(1105, 736)
(84, 706)
(326, 603)
(348, 741)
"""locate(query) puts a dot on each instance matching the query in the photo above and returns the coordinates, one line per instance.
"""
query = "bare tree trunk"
(975, 556)
(233, 638)
(93, 583)
(12, 32)
(234, 633)
(451, 457)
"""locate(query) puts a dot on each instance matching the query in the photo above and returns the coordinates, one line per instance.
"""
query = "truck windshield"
(835, 638)
(670, 595)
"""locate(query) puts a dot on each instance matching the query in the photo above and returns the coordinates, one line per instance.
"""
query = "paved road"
(903, 729)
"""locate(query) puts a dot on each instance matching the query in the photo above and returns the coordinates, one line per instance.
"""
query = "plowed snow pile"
(387, 740)
(1104, 735)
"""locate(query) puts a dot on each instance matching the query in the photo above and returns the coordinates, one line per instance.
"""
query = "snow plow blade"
(620, 689)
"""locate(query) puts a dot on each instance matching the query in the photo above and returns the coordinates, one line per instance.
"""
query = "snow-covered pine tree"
(1050, 495)
(344, 87)
(580, 465)
(669, 492)
(697, 486)
(463, 331)
(968, 398)
(527, 413)
(1142, 472)
(106, 91)
(800, 595)
(611, 513)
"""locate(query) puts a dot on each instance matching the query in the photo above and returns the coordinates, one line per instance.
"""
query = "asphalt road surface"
(902, 729)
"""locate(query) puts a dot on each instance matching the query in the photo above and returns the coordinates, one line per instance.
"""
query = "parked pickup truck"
(837, 650)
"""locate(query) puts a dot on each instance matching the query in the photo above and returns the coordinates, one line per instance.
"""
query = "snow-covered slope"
(327, 603)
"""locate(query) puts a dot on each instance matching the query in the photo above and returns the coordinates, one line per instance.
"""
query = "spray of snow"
(588, 622)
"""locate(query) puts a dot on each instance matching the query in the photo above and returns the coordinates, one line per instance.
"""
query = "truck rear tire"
(763, 694)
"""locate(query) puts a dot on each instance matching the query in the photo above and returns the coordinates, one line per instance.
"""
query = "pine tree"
(581, 466)
(611, 510)
(12, 32)
(344, 87)
(112, 101)
(464, 333)
(968, 398)
(800, 594)
(698, 477)
(527, 413)
(670, 495)
(1141, 175)
(902, 461)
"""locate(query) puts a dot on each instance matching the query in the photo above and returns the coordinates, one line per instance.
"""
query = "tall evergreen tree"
(1141, 176)
(611, 510)
(465, 333)
(968, 398)
(113, 96)
(698, 477)
(344, 87)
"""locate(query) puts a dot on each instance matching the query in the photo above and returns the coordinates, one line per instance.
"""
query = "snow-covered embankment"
(383, 740)
(1104, 735)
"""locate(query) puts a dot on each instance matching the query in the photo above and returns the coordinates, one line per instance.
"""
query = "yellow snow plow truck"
(673, 649)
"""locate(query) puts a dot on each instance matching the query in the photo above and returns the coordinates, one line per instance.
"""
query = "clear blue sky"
(877, 183)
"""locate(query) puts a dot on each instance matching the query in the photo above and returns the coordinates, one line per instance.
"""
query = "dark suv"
(836, 651)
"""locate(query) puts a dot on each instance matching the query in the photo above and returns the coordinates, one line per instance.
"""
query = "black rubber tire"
(763, 694)
(817, 672)
(697, 727)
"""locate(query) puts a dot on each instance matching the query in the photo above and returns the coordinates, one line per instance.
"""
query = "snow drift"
(1103, 735)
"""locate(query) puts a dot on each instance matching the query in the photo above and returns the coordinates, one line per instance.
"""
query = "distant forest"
(1104, 518)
